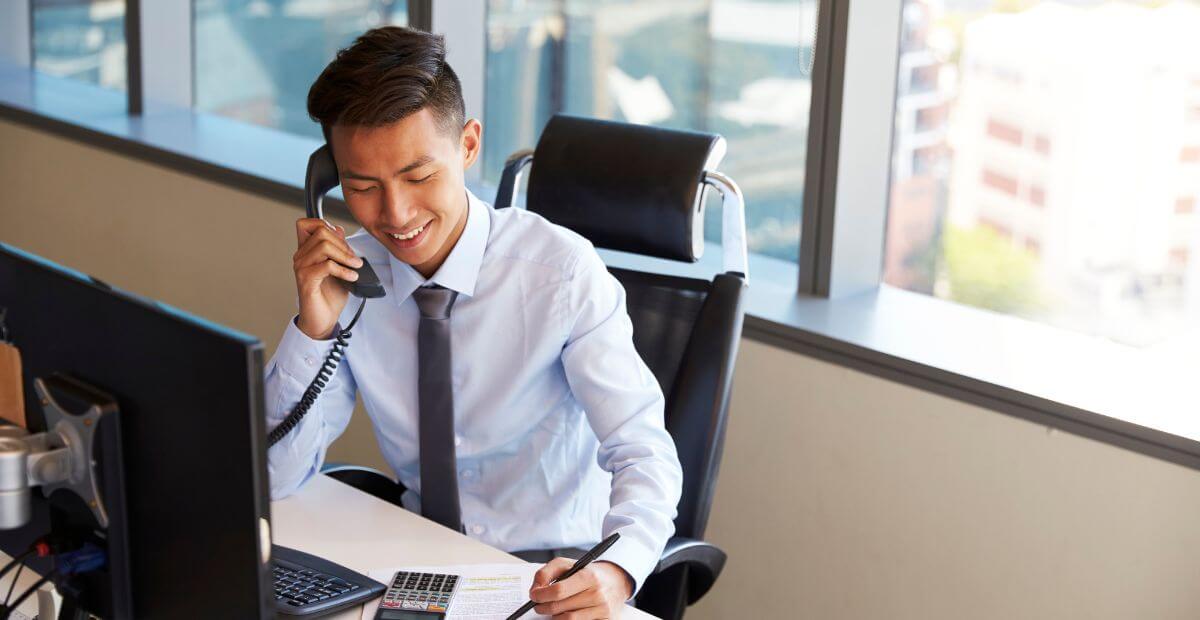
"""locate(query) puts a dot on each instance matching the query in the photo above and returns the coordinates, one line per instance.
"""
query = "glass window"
(737, 68)
(256, 59)
(1053, 179)
(81, 39)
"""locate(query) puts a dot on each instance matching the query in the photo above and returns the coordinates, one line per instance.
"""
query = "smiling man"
(499, 371)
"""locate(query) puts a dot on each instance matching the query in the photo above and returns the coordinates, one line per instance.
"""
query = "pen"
(582, 562)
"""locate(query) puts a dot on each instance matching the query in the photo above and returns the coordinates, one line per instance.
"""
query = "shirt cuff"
(634, 558)
(300, 357)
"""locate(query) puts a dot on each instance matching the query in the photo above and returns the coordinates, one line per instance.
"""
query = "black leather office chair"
(639, 189)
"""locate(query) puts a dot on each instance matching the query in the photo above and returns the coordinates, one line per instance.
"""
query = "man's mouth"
(411, 237)
(410, 234)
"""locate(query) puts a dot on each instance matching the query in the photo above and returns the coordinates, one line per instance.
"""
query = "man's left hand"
(598, 591)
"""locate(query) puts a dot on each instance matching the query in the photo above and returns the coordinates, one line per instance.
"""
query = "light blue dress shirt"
(559, 423)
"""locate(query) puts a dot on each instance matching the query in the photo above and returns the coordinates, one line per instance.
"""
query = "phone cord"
(318, 383)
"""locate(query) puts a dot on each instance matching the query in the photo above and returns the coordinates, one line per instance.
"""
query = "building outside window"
(80, 39)
(737, 68)
(256, 59)
(1056, 179)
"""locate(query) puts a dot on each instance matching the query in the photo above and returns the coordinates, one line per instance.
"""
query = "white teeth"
(412, 233)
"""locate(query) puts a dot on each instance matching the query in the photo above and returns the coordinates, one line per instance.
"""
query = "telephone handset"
(322, 176)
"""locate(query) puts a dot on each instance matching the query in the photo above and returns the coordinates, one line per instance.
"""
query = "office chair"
(640, 189)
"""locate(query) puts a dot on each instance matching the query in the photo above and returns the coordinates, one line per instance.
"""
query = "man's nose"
(399, 208)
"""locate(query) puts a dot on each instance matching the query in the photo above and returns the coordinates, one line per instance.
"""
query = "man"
(556, 423)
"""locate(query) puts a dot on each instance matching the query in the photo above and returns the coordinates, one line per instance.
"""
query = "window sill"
(1119, 395)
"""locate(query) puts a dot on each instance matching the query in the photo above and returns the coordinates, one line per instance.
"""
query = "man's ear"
(471, 141)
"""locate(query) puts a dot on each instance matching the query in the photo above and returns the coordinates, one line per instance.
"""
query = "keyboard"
(306, 585)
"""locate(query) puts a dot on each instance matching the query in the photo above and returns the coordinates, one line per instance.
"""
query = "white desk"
(338, 522)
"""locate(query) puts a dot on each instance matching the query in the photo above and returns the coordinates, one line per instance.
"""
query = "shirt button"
(457, 440)
(468, 474)
(477, 529)
(308, 360)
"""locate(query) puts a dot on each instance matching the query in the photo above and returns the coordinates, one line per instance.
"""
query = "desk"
(345, 525)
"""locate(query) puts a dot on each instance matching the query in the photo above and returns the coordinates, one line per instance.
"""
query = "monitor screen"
(192, 433)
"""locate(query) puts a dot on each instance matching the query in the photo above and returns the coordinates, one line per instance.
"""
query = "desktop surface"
(354, 529)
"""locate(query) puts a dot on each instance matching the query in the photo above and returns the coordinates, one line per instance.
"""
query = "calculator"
(417, 596)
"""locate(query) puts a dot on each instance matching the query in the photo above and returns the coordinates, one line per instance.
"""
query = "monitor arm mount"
(62, 457)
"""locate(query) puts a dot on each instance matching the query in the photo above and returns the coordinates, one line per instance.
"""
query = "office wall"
(842, 496)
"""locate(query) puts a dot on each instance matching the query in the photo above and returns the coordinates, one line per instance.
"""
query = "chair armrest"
(510, 179)
(367, 480)
(704, 563)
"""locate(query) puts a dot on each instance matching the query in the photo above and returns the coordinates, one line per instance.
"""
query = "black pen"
(582, 562)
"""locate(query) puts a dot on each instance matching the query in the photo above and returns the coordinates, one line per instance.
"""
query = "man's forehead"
(399, 140)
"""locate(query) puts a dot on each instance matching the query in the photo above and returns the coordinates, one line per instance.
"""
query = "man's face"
(404, 183)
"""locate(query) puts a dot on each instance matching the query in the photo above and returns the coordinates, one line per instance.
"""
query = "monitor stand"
(79, 464)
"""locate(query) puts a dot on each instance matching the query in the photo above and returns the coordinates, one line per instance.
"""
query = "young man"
(503, 347)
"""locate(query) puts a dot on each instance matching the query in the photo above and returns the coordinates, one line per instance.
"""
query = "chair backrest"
(687, 331)
(638, 189)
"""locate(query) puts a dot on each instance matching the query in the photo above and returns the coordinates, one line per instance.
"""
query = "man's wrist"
(629, 582)
(313, 333)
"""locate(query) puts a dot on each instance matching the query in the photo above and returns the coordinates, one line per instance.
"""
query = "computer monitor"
(192, 431)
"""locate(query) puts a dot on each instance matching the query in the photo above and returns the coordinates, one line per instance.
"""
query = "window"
(1004, 132)
(1062, 165)
(256, 59)
(737, 68)
(81, 39)
(999, 182)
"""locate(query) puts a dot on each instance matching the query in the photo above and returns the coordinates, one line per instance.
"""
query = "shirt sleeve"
(299, 455)
(624, 405)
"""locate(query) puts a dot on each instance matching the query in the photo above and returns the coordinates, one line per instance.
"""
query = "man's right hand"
(322, 257)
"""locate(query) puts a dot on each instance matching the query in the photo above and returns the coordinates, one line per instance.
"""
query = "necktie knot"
(435, 302)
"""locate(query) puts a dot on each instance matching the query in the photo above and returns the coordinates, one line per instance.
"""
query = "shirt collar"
(460, 271)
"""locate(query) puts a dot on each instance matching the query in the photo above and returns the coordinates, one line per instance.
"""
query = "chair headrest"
(625, 187)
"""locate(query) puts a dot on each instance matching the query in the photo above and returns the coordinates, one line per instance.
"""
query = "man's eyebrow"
(417, 163)
(350, 174)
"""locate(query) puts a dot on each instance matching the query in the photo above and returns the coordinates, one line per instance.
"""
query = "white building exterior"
(1076, 134)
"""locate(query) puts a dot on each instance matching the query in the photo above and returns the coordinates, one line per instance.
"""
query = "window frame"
(16, 33)
(837, 309)
(850, 157)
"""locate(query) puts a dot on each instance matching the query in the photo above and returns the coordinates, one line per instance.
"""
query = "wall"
(842, 496)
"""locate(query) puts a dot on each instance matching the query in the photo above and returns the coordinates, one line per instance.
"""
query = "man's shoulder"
(520, 235)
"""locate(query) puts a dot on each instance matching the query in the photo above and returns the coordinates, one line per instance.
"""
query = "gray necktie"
(439, 472)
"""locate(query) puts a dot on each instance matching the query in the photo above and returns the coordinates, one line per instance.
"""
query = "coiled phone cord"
(318, 383)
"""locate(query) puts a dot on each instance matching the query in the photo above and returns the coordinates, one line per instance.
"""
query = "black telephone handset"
(321, 177)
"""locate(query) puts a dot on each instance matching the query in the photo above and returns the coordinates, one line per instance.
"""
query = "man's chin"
(412, 256)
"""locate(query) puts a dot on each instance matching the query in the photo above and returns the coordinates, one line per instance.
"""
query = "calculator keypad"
(420, 591)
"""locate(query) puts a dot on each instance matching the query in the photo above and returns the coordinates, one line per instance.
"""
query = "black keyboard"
(306, 585)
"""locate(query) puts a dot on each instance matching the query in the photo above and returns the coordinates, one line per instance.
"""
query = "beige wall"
(865, 498)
